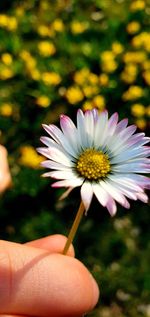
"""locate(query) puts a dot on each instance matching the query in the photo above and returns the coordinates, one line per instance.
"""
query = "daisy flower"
(103, 156)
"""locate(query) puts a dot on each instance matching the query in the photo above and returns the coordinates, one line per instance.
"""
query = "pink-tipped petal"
(115, 194)
(68, 183)
(143, 197)
(112, 123)
(121, 125)
(101, 194)
(62, 175)
(86, 194)
(111, 206)
(70, 132)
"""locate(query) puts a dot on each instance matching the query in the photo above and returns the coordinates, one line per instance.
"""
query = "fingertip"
(53, 243)
(96, 292)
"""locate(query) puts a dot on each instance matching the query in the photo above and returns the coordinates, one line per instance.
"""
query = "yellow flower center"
(93, 164)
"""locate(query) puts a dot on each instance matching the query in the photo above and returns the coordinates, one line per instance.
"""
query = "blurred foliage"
(57, 56)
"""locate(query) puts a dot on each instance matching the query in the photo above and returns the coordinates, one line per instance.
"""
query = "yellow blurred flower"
(146, 76)
(81, 76)
(134, 92)
(103, 79)
(7, 59)
(74, 95)
(133, 27)
(89, 90)
(43, 101)
(87, 105)
(129, 73)
(99, 102)
(51, 78)
(142, 40)
(3, 20)
(148, 111)
(28, 59)
(131, 69)
(137, 5)
(141, 123)
(45, 30)
(19, 11)
(78, 27)
(12, 24)
(134, 57)
(44, 5)
(109, 64)
(35, 74)
(117, 48)
(93, 78)
(86, 78)
(58, 25)
(46, 48)
(138, 110)
(107, 56)
(25, 55)
(146, 65)
(6, 73)
(29, 157)
(6, 109)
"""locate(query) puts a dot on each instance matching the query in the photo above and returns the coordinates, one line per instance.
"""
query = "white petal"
(81, 130)
(61, 175)
(47, 141)
(121, 125)
(56, 155)
(56, 166)
(133, 143)
(70, 132)
(53, 131)
(143, 197)
(101, 129)
(115, 193)
(112, 123)
(125, 190)
(69, 183)
(101, 194)
(131, 167)
(59, 138)
(95, 114)
(118, 141)
(86, 194)
(130, 154)
(127, 180)
(141, 180)
(111, 206)
(89, 127)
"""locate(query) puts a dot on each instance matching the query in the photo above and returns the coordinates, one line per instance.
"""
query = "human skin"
(37, 280)
(5, 177)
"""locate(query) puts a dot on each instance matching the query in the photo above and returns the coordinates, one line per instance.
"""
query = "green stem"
(74, 227)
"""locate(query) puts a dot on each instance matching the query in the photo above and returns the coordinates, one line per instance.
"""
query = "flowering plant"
(101, 155)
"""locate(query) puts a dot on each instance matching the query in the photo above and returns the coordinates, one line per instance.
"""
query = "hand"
(5, 177)
(37, 280)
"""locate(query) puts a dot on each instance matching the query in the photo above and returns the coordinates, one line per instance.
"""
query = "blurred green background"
(55, 57)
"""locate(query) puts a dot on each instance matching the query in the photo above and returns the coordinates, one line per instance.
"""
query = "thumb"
(36, 283)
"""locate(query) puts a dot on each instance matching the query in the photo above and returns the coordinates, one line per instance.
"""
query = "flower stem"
(74, 227)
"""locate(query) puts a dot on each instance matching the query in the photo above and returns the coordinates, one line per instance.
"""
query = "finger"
(5, 177)
(54, 244)
(36, 283)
